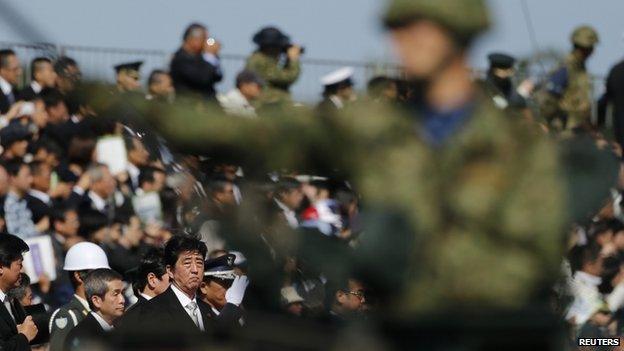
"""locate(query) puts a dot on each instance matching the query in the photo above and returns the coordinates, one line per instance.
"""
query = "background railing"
(97, 63)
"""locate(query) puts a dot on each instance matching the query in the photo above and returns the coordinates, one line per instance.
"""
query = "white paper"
(111, 151)
(40, 258)
(148, 207)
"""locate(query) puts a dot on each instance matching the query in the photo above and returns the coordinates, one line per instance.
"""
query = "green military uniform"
(65, 319)
(278, 77)
(567, 98)
(479, 218)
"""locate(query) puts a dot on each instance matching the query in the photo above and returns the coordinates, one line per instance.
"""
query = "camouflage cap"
(585, 36)
(465, 17)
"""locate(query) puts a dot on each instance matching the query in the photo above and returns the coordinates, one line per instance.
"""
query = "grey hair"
(95, 172)
(96, 283)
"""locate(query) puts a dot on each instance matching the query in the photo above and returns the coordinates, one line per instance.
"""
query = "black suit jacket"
(27, 94)
(192, 74)
(10, 339)
(87, 331)
(131, 317)
(166, 308)
(4, 102)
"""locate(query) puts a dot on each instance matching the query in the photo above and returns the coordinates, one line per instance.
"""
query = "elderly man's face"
(188, 272)
(112, 304)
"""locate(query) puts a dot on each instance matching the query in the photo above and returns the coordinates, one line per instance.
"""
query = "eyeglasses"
(358, 294)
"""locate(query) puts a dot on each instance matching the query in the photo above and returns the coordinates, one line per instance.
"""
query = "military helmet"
(585, 36)
(466, 18)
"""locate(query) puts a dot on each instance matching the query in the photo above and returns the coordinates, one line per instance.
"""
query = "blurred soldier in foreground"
(277, 62)
(567, 100)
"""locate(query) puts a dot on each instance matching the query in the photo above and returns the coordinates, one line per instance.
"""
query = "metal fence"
(97, 63)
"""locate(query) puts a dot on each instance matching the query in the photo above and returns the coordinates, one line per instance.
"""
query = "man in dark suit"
(16, 329)
(150, 280)
(104, 289)
(195, 67)
(10, 71)
(179, 305)
(42, 75)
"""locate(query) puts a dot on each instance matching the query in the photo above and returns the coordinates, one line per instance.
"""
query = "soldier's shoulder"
(257, 58)
(63, 318)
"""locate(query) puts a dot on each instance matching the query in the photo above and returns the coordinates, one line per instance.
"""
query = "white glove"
(236, 292)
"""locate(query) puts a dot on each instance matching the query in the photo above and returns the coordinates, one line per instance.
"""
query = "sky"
(329, 29)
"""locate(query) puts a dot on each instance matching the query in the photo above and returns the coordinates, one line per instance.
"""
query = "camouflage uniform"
(278, 77)
(567, 98)
(65, 319)
(479, 219)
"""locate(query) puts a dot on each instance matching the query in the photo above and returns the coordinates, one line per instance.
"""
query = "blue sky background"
(332, 29)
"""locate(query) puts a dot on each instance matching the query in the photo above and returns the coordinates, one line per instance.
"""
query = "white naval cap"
(337, 76)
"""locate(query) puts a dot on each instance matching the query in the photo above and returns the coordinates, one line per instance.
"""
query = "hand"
(43, 225)
(44, 283)
(293, 52)
(213, 48)
(236, 292)
(14, 110)
(28, 328)
(84, 182)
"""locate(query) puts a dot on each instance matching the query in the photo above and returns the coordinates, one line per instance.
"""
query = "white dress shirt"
(147, 297)
(290, 215)
(40, 195)
(98, 202)
(102, 322)
(184, 301)
(5, 300)
(133, 173)
(236, 104)
(587, 298)
(5, 86)
(36, 87)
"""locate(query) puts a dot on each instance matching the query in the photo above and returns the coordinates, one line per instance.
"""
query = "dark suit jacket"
(166, 308)
(131, 317)
(4, 102)
(227, 319)
(10, 339)
(88, 330)
(27, 94)
(192, 74)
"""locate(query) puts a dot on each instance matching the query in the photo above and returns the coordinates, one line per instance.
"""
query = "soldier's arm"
(293, 140)
(61, 323)
(275, 74)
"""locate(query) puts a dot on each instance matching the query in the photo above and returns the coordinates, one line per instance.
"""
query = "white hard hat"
(84, 256)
